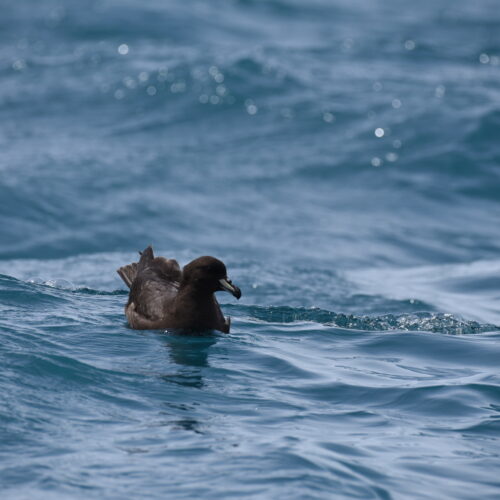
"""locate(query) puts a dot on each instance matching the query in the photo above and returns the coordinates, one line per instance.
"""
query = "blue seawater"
(342, 157)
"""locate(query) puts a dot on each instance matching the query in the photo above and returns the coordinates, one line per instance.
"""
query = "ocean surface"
(342, 157)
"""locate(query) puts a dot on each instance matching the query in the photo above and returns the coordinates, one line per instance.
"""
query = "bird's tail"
(129, 273)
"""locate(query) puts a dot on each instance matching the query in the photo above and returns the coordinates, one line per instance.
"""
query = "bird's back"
(154, 283)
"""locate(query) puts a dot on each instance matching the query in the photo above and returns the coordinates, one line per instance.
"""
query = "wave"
(420, 321)
(14, 291)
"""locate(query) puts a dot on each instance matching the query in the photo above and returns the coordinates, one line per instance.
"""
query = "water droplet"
(119, 94)
(484, 58)
(328, 117)
(379, 132)
(123, 49)
(19, 64)
(377, 86)
(252, 109)
(410, 45)
(376, 161)
(221, 90)
(143, 76)
(396, 144)
(396, 103)
(151, 90)
(440, 91)
(392, 157)
(177, 87)
(129, 82)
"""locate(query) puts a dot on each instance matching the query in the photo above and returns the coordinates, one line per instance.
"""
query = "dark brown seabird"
(162, 296)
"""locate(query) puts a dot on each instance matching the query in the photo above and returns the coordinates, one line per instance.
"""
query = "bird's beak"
(229, 287)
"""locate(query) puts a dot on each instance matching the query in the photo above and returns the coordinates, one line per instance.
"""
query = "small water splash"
(63, 284)
(420, 321)
(60, 283)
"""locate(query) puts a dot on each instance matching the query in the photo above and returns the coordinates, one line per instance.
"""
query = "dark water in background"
(342, 157)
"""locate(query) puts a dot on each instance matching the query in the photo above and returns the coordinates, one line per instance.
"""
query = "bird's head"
(209, 274)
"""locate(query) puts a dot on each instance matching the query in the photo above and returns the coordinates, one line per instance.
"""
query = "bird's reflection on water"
(190, 350)
(189, 354)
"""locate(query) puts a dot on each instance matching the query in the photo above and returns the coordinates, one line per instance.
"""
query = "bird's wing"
(154, 285)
